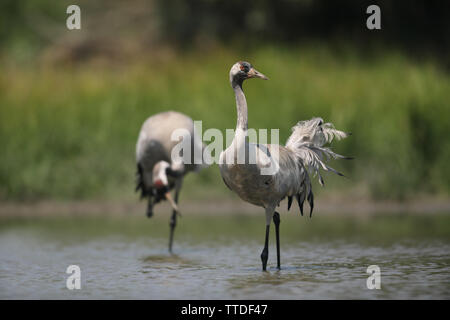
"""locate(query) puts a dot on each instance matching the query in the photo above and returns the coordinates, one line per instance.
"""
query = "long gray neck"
(241, 106)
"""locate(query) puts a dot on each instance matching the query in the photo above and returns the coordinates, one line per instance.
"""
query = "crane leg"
(150, 207)
(173, 221)
(276, 221)
(265, 252)
(172, 224)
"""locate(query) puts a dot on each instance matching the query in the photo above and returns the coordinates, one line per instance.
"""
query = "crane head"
(243, 70)
(161, 183)
(160, 179)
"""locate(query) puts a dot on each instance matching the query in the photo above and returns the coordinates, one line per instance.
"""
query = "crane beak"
(172, 203)
(253, 73)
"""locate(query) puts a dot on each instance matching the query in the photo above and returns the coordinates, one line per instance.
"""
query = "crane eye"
(244, 68)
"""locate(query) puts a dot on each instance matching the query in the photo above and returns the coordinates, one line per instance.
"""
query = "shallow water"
(118, 262)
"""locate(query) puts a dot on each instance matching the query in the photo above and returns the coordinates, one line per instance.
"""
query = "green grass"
(70, 132)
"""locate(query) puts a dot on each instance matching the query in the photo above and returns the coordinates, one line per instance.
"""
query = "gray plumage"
(155, 145)
(305, 153)
(157, 172)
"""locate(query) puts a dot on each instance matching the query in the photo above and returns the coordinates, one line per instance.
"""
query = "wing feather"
(308, 140)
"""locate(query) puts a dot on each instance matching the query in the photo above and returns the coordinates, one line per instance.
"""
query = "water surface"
(218, 258)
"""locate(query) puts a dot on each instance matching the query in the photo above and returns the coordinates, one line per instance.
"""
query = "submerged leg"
(276, 221)
(265, 252)
(173, 219)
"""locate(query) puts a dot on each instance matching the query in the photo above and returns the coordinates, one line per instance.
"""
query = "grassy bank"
(70, 132)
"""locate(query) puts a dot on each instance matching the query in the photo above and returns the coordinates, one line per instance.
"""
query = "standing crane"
(157, 172)
(305, 149)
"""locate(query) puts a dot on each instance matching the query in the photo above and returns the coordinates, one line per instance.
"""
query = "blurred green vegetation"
(70, 131)
(72, 102)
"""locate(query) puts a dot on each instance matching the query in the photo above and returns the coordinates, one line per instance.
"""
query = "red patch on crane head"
(158, 183)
